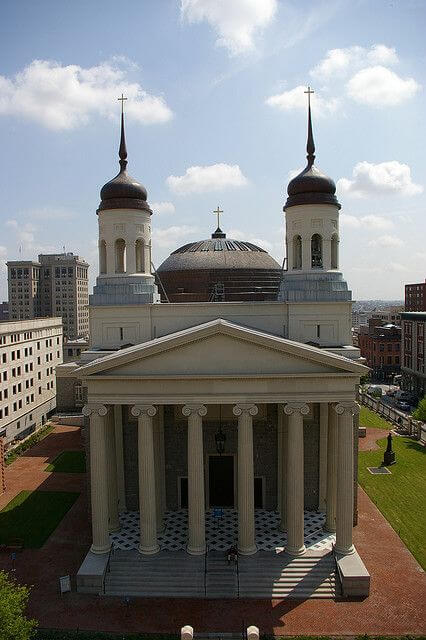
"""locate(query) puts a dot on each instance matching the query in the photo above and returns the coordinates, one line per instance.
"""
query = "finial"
(310, 146)
(218, 233)
(123, 150)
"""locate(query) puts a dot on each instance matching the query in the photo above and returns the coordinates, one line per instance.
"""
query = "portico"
(255, 379)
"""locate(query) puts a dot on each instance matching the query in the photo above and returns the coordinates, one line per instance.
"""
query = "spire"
(310, 145)
(123, 150)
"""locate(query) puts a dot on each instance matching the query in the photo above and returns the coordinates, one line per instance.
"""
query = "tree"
(420, 412)
(13, 600)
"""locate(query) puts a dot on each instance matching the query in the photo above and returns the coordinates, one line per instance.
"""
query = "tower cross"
(309, 92)
(218, 212)
(122, 99)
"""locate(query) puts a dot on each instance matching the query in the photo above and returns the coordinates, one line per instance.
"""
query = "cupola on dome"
(123, 191)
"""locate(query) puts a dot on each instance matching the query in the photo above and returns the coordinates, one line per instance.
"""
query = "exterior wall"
(129, 225)
(264, 445)
(414, 353)
(117, 326)
(30, 350)
(382, 350)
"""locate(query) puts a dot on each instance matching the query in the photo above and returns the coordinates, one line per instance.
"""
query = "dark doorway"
(258, 493)
(221, 481)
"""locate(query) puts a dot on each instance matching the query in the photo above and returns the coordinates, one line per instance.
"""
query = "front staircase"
(264, 575)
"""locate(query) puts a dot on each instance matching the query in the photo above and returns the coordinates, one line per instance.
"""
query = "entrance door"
(221, 481)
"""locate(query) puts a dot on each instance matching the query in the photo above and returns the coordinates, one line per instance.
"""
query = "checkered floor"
(222, 533)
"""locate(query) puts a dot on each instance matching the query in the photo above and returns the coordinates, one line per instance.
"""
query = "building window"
(297, 252)
(316, 251)
(120, 256)
(334, 251)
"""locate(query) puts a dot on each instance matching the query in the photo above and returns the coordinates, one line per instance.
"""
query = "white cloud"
(169, 238)
(64, 97)
(213, 177)
(296, 99)
(3, 251)
(366, 222)
(234, 21)
(391, 177)
(50, 213)
(380, 87)
(237, 234)
(386, 241)
(341, 62)
(163, 207)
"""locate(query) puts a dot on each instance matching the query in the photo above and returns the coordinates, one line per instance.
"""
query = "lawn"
(33, 515)
(368, 418)
(400, 496)
(68, 462)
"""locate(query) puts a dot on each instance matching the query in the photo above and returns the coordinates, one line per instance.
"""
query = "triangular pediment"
(220, 348)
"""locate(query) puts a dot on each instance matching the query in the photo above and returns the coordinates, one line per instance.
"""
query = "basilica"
(220, 407)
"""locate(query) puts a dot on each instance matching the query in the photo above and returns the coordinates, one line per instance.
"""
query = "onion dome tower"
(124, 218)
(312, 235)
(219, 269)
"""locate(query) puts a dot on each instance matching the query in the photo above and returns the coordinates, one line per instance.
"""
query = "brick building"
(413, 353)
(380, 345)
(415, 297)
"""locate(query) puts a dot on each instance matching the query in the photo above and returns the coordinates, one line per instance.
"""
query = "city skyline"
(216, 115)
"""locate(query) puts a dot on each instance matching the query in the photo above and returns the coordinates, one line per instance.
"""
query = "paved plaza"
(395, 605)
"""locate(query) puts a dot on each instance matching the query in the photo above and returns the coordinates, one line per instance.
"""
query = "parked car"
(374, 390)
(391, 393)
(401, 404)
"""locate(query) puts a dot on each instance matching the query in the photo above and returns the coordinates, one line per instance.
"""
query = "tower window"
(139, 249)
(102, 257)
(334, 251)
(316, 251)
(297, 252)
(120, 256)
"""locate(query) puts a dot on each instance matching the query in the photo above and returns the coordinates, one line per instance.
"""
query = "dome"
(219, 268)
(123, 191)
(311, 186)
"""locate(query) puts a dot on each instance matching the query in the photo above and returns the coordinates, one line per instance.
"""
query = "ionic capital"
(191, 409)
(97, 409)
(239, 409)
(350, 407)
(140, 410)
(296, 407)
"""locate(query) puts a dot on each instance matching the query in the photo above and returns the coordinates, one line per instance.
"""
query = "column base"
(329, 529)
(248, 552)
(196, 551)
(295, 551)
(100, 550)
(347, 551)
(149, 551)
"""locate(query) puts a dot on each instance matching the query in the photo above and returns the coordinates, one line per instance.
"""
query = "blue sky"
(216, 115)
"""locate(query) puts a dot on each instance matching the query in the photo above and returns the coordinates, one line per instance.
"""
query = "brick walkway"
(395, 606)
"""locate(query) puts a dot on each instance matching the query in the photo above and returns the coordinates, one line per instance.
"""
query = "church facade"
(239, 405)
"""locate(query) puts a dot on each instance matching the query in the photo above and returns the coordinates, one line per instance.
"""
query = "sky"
(216, 115)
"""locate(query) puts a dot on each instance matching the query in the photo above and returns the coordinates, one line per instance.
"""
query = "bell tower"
(312, 235)
(124, 218)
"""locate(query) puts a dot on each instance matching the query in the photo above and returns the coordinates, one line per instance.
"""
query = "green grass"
(68, 462)
(368, 418)
(33, 515)
(401, 496)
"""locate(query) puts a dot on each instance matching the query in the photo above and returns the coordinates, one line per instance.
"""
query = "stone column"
(295, 478)
(330, 518)
(160, 469)
(345, 478)
(284, 461)
(323, 456)
(246, 528)
(306, 254)
(121, 490)
(196, 500)
(279, 457)
(98, 477)
(111, 457)
(147, 507)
